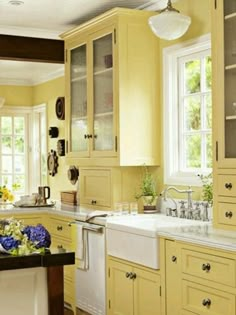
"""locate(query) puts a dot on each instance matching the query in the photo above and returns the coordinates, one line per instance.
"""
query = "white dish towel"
(81, 253)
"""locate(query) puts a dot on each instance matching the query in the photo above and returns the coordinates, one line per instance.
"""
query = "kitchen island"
(33, 284)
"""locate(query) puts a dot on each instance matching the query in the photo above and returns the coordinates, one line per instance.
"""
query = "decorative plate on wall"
(52, 162)
(73, 174)
(60, 108)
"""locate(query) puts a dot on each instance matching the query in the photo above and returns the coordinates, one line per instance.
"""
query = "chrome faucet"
(189, 191)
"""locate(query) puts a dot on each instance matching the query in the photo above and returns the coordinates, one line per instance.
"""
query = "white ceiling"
(48, 19)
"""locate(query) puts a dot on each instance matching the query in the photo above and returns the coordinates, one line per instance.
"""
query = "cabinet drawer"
(209, 267)
(204, 300)
(227, 185)
(69, 293)
(95, 187)
(60, 228)
(227, 213)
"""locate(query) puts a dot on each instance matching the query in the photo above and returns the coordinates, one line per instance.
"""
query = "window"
(187, 111)
(23, 148)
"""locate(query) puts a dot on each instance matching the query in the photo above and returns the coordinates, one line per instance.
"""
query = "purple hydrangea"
(38, 235)
(8, 242)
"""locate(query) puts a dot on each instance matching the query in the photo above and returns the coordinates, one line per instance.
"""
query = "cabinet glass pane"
(230, 77)
(229, 7)
(79, 123)
(103, 94)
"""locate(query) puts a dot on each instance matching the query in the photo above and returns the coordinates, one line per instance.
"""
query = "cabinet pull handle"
(133, 276)
(206, 302)
(128, 274)
(206, 267)
(229, 214)
(59, 228)
(173, 258)
(59, 246)
(93, 202)
(228, 186)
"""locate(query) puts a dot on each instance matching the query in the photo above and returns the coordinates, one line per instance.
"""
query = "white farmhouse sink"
(135, 238)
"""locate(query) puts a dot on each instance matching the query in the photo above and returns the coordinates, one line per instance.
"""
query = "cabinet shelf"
(230, 67)
(230, 16)
(83, 78)
(232, 117)
(103, 114)
(103, 71)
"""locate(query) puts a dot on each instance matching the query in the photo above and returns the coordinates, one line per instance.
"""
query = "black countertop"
(53, 257)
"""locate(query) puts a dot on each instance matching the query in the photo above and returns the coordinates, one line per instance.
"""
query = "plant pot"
(149, 204)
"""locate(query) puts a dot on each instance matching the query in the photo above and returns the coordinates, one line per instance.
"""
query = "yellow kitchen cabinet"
(224, 111)
(132, 289)
(27, 219)
(112, 96)
(102, 187)
(172, 278)
(196, 279)
(60, 231)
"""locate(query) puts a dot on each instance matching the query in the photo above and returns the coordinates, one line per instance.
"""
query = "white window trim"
(33, 169)
(170, 109)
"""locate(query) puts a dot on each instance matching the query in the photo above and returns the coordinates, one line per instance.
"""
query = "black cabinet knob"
(228, 186)
(229, 214)
(206, 267)
(174, 258)
(206, 302)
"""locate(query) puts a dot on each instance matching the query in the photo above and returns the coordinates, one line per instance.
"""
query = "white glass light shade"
(169, 24)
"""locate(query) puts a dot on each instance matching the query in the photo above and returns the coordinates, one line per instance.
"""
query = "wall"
(48, 93)
(17, 95)
(199, 11)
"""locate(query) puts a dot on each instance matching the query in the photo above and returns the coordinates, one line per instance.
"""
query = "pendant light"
(169, 24)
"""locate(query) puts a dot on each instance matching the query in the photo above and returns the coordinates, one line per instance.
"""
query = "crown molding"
(32, 32)
(32, 82)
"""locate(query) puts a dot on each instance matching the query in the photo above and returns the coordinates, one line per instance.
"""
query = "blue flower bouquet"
(18, 239)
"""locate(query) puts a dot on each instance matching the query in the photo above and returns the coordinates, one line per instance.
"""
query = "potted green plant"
(207, 188)
(148, 191)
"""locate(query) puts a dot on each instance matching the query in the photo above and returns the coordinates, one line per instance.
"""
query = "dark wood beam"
(31, 49)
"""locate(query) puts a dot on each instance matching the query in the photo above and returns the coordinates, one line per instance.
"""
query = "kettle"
(44, 194)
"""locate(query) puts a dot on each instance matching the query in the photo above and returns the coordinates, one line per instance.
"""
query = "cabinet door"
(147, 298)
(95, 187)
(103, 124)
(78, 132)
(224, 53)
(173, 262)
(120, 289)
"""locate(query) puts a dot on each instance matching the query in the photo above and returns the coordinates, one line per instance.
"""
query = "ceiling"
(48, 19)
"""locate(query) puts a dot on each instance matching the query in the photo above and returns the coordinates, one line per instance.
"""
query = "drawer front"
(227, 213)
(62, 244)
(95, 187)
(60, 228)
(227, 185)
(204, 300)
(210, 267)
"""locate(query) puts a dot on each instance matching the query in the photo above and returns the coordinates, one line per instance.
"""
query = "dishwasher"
(90, 280)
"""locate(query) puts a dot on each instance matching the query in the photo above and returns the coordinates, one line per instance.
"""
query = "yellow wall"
(17, 95)
(48, 93)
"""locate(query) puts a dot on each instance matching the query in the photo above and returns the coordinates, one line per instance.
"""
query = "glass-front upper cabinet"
(91, 97)
(78, 111)
(224, 26)
(103, 125)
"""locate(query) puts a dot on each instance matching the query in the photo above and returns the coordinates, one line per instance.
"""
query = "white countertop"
(196, 232)
(149, 225)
